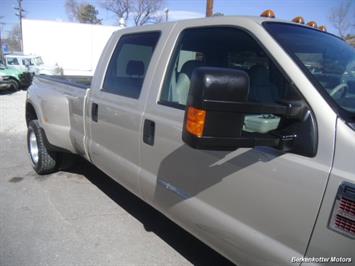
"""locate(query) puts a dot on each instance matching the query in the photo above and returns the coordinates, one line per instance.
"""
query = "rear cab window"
(129, 63)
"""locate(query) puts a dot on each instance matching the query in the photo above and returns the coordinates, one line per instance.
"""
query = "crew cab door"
(116, 107)
(257, 206)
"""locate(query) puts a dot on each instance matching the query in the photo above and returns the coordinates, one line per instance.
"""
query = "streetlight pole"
(1, 50)
(20, 14)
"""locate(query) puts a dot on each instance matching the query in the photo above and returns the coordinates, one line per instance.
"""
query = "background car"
(32, 63)
(14, 78)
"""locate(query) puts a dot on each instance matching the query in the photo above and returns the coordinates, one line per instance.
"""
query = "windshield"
(38, 60)
(326, 59)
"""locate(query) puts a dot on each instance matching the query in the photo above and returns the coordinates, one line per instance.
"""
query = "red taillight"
(345, 224)
(342, 219)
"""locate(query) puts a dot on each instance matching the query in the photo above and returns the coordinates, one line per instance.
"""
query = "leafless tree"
(147, 11)
(72, 8)
(14, 39)
(342, 17)
(141, 11)
(121, 8)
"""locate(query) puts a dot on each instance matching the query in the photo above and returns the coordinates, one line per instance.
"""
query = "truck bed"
(64, 95)
(76, 81)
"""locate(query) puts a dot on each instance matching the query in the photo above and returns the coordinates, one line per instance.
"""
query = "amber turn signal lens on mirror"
(195, 122)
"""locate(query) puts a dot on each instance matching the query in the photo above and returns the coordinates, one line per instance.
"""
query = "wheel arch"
(31, 113)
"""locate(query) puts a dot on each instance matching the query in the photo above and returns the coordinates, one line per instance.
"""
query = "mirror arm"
(286, 109)
(273, 139)
(246, 140)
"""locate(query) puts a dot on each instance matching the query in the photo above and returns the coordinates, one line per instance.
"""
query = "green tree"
(88, 14)
(83, 12)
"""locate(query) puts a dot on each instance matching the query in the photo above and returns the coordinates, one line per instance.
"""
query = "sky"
(317, 10)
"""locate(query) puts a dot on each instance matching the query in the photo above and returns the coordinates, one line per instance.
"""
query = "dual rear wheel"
(43, 160)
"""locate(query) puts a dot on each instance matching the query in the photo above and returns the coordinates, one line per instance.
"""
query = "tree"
(88, 14)
(120, 8)
(350, 39)
(341, 17)
(83, 12)
(14, 39)
(218, 14)
(72, 8)
(146, 11)
(141, 11)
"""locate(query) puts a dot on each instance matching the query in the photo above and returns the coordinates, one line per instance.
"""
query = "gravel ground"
(78, 217)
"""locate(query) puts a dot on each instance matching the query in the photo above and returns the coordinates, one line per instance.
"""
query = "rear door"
(116, 108)
(257, 206)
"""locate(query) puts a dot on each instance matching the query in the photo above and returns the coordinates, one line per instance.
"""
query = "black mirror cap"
(210, 88)
(217, 84)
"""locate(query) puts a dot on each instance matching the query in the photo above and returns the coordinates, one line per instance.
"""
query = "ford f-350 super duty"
(239, 129)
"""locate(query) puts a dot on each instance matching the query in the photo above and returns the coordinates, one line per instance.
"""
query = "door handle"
(94, 112)
(148, 132)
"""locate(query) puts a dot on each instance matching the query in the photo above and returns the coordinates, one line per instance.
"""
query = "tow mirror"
(216, 107)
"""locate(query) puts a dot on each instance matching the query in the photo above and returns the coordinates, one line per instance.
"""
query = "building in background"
(75, 47)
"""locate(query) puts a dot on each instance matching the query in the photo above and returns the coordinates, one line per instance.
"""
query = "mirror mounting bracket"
(286, 109)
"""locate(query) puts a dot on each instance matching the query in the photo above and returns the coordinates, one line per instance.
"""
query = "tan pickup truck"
(239, 129)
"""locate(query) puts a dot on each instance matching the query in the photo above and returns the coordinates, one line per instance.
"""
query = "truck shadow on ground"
(184, 243)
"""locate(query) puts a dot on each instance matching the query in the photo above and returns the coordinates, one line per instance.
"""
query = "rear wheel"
(43, 160)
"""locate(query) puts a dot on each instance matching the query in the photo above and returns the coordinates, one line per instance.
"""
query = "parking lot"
(81, 216)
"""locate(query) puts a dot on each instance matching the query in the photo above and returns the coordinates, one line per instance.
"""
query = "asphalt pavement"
(79, 216)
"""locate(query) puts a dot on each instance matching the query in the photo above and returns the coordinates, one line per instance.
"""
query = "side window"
(12, 61)
(129, 63)
(26, 62)
(225, 47)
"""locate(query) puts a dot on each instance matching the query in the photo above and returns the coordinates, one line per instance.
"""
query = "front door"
(257, 206)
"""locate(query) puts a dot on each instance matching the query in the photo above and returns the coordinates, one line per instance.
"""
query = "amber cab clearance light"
(312, 24)
(268, 14)
(322, 28)
(195, 122)
(298, 20)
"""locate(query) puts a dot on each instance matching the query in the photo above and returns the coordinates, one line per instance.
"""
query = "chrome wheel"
(33, 147)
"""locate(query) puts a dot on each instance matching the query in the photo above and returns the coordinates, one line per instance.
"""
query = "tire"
(15, 85)
(43, 160)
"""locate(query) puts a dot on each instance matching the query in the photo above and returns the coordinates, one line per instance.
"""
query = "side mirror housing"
(209, 128)
(216, 108)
